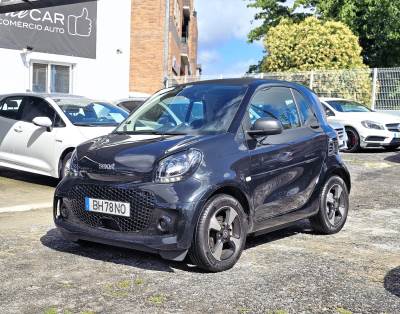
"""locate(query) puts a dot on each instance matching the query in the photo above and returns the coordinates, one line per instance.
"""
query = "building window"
(177, 14)
(51, 78)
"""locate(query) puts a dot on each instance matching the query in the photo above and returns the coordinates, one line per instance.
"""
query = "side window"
(197, 113)
(328, 112)
(306, 113)
(11, 108)
(277, 103)
(33, 107)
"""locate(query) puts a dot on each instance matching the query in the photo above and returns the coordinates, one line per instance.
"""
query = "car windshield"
(86, 112)
(348, 106)
(190, 109)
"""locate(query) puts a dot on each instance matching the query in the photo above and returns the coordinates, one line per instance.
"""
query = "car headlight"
(73, 169)
(177, 167)
(372, 125)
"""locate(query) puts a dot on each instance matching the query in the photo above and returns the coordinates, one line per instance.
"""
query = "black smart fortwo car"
(200, 166)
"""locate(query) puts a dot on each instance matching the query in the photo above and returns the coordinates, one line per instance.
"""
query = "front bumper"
(379, 139)
(145, 235)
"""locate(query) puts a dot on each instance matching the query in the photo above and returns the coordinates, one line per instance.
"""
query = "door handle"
(18, 129)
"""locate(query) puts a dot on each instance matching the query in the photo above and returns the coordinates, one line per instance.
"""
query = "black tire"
(331, 217)
(63, 164)
(207, 239)
(353, 142)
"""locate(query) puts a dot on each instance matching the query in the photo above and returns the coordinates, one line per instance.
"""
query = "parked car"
(365, 128)
(131, 104)
(201, 186)
(342, 135)
(39, 132)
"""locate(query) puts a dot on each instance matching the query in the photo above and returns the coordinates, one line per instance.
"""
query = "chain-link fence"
(377, 88)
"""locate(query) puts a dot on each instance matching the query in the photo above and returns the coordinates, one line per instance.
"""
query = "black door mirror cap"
(265, 127)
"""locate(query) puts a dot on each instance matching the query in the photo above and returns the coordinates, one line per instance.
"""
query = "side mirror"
(44, 122)
(265, 127)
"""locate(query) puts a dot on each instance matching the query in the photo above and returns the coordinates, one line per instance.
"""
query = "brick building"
(105, 49)
(164, 39)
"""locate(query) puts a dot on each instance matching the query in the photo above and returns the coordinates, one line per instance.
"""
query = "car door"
(9, 116)
(284, 167)
(35, 145)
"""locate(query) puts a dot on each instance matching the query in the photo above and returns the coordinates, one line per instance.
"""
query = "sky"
(223, 29)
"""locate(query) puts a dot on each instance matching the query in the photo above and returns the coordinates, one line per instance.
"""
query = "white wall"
(106, 77)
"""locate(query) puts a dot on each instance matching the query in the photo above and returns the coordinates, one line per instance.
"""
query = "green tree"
(375, 22)
(309, 45)
(294, 48)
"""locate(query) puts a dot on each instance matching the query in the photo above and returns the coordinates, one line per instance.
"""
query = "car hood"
(132, 155)
(380, 117)
(92, 132)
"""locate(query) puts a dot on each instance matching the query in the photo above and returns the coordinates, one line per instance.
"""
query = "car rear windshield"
(348, 106)
(86, 112)
(190, 109)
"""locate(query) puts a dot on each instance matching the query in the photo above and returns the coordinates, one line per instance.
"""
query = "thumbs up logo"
(80, 25)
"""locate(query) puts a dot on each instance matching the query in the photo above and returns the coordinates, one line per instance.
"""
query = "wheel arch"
(340, 172)
(62, 156)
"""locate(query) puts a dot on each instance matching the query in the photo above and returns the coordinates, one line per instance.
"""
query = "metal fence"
(377, 88)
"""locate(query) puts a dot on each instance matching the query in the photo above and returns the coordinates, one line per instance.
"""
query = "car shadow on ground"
(392, 281)
(28, 177)
(54, 240)
(393, 158)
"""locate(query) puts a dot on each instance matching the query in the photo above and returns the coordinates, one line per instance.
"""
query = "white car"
(365, 128)
(341, 133)
(38, 133)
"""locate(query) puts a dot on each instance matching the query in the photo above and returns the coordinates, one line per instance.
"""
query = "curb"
(25, 208)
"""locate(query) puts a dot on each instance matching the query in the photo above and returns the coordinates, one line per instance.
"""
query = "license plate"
(396, 135)
(107, 207)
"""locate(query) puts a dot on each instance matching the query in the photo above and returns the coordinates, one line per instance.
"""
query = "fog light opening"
(63, 211)
(164, 224)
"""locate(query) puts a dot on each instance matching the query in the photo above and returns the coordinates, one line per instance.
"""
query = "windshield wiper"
(94, 125)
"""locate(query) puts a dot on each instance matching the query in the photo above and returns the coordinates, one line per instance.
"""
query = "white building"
(81, 49)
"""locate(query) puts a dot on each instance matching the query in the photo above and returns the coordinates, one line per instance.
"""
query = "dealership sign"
(65, 30)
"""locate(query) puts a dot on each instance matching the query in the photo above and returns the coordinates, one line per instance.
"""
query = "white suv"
(365, 128)
(38, 133)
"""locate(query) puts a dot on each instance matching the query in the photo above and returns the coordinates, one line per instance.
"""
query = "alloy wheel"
(335, 205)
(224, 233)
(352, 139)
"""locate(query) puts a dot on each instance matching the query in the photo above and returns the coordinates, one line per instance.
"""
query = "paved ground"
(290, 271)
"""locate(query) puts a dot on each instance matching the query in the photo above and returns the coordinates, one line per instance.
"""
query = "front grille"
(393, 127)
(333, 147)
(141, 205)
(340, 133)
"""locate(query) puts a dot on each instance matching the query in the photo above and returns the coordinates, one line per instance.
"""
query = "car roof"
(42, 95)
(242, 81)
(333, 99)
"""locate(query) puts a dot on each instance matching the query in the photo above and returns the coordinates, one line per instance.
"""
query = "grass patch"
(124, 284)
(157, 299)
(139, 281)
(51, 310)
(341, 310)
(278, 312)
(244, 310)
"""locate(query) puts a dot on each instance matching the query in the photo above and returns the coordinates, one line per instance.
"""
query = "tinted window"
(33, 107)
(11, 107)
(306, 113)
(329, 112)
(199, 108)
(131, 105)
(348, 106)
(277, 103)
(86, 112)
